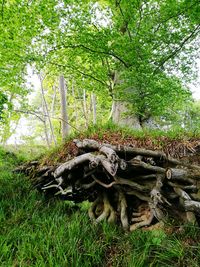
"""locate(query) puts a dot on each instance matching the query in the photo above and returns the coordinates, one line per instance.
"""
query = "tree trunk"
(63, 102)
(85, 112)
(75, 104)
(94, 108)
(119, 115)
(46, 109)
(53, 101)
(45, 125)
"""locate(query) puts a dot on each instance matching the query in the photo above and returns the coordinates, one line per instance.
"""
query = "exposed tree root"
(123, 210)
(133, 186)
(142, 218)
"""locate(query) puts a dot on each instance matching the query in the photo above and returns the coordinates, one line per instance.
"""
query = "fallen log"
(183, 174)
(90, 144)
(137, 190)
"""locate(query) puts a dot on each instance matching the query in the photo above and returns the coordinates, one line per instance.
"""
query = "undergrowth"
(175, 132)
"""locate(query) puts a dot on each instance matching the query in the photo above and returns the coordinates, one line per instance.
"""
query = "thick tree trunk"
(120, 115)
(63, 102)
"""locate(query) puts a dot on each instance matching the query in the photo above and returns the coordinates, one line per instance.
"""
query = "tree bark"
(120, 115)
(94, 108)
(75, 104)
(85, 111)
(46, 109)
(63, 102)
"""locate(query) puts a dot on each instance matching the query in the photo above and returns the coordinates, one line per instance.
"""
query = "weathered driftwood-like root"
(193, 206)
(69, 165)
(101, 209)
(158, 199)
(91, 211)
(133, 186)
(146, 166)
(123, 210)
(91, 145)
(184, 197)
(109, 153)
(182, 174)
(142, 218)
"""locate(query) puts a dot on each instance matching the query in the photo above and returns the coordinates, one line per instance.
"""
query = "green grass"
(37, 232)
(173, 133)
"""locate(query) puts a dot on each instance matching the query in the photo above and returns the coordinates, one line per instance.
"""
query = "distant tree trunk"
(46, 109)
(84, 105)
(45, 124)
(110, 117)
(63, 101)
(94, 108)
(53, 101)
(120, 115)
(75, 104)
(119, 110)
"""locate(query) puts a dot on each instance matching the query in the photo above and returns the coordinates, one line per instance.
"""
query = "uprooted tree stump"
(132, 186)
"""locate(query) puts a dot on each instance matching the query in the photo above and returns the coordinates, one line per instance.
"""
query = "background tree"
(148, 44)
(136, 52)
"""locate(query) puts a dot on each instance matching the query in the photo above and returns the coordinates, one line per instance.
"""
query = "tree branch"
(40, 115)
(81, 72)
(2, 9)
(178, 49)
(81, 46)
(125, 22)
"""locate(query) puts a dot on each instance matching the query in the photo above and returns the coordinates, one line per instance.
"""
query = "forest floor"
(35, 231)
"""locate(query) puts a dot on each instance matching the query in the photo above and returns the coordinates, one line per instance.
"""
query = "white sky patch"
(195, 87)
(101, 17)
(32, 82)
(23, 129)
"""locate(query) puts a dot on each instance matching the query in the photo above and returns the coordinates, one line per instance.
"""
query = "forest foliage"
(142, 53)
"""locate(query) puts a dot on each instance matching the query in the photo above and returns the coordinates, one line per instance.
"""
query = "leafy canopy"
(137, 51)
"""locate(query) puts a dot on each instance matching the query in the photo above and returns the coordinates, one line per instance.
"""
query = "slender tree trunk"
(63, 101)
(94, 110)
(75, 104)
(46, 109)
(53, 101)
(84, 105)
(112, 110)
(45, 124)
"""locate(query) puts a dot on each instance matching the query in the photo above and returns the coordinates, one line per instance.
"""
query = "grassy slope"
(34, 232)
